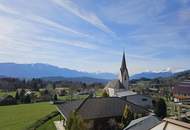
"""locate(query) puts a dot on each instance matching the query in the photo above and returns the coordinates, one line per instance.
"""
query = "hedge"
(43, 120)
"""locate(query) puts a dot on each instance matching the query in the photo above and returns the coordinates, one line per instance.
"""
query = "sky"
(91, 35)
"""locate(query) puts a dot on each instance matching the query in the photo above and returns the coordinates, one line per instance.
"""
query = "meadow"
(2, 93)
(19, 117)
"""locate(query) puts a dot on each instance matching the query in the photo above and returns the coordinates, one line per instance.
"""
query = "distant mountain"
(86, 80)
(152, 75)
(39, 70)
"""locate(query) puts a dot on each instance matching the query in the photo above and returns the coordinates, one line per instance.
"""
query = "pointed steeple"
(123, 64)
(124, 73)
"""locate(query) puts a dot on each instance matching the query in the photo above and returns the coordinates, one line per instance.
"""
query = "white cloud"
(76, 43)
(134, 11)
(7, 9)
(83, 14)
(41, 20)
(51, 23)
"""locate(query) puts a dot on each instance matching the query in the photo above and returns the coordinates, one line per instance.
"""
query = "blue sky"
(90, 35)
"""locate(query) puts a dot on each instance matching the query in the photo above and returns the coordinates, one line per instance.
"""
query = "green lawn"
(74, 97)
(2, 93)
(99, 92)
(19, 117)
(49, 125)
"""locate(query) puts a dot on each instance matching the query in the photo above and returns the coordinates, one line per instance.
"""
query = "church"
(120, 87)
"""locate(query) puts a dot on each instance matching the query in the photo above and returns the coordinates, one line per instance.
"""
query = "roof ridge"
(89, 97)
(81, 104)
(141, 120)
(137, 106)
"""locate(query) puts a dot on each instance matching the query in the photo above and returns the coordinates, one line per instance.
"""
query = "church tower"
(124, 73)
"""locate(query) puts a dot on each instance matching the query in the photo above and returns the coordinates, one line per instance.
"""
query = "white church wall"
(111, 92)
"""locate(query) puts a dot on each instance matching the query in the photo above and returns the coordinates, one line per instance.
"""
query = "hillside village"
(94, 65)
(121, 104)
(122, 108)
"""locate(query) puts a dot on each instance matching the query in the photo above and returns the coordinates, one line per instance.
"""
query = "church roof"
(125, 93)
(123, 64)
(116, 84)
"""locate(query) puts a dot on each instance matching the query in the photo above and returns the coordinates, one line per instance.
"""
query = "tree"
(128, 116)
(55, 97)
(27, 99)
(161, 108)
(22, 95)
(105, 94)
(17, 96)
(75, 122)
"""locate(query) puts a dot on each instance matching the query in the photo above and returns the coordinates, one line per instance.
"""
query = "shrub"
(128, 116)
(105, 94)
(75, 122)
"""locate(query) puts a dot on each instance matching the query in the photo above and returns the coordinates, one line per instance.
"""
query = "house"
(171, 124)
(143, 123)
(28, 92)
(140, 100)
(181, 91)
(97, 110)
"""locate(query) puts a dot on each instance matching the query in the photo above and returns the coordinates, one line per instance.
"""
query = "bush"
(128, 116)
(105, 94)
(8, 100)
(75, 122)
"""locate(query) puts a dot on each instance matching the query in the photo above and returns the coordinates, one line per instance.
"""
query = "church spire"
(124, 73)
(123, 64)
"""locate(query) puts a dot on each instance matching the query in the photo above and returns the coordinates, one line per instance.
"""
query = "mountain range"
(40, 70)
(152, 75)
(47, 71)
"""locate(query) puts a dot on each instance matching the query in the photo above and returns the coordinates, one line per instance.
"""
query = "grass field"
(74, 97)
(49, 125)
(19, 117)
(7, 93)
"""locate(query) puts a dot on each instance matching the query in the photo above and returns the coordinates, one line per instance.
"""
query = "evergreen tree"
(27, 99)
(17, 96)
(55, 97)
(161, 108)
(22, 95)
